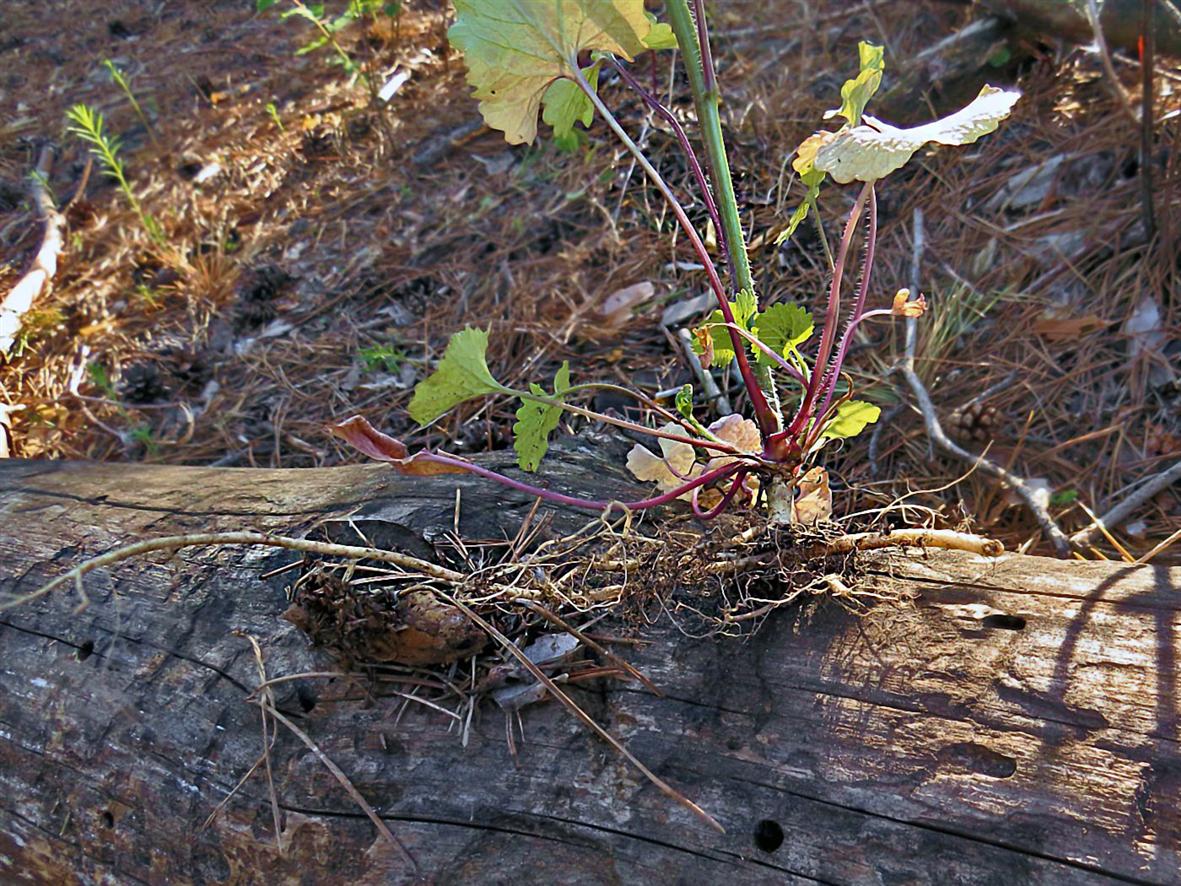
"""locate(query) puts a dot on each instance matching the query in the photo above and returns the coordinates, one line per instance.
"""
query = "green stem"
(766, 418)
(707, 104)
(707, 100)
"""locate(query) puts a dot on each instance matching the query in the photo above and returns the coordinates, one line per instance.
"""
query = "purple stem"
(768, 424)
(686, 146)
(720, 506)
(783, 364)
(858, 307)
(831, 318)
(589, 504)
(709, 73)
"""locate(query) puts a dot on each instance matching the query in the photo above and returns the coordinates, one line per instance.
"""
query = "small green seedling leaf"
(514, 50)
(804, 165)
(536, 421)
(684, 402)
(856, 93)
(661, 35)
(874, 150)
(722, 350)
(264, 5)
(461, 375)
(782, 327)
(564, 104)
(851, 418)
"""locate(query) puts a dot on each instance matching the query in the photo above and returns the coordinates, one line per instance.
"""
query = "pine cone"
(976, 421)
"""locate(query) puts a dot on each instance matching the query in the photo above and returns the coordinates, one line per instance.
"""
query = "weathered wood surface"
(1018, 725)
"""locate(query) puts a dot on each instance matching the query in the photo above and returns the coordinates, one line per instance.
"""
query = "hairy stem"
(719, 445)
(718, 473)
(757, 398)
(682, 139)
(830, 382)
(693, 39)
(831, 317)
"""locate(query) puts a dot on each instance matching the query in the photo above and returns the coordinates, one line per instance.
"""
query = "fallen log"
(1019, 723)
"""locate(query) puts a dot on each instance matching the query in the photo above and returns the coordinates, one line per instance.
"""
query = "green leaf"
(564, 103)
(461, 375)
(536, 421)
(872, 151)
(782, 327)
(856, 93)
(851, 418)
(514, 50)
(264, 5)
(812, 179)
(743, 309)
(661, 35)
(684, 402)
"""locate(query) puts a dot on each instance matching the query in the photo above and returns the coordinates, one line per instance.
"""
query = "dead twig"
(939, 437)
(20, 299)
(1122, 511)
(1147, 62)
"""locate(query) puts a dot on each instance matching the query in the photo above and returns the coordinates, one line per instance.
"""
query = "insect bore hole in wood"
(1004, 622)
(768, 835)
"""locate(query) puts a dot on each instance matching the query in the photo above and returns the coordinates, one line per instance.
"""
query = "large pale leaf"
(461, 375)
(875, 149)
(515, 49)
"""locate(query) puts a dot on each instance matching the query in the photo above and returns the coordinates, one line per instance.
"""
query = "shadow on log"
(1018, 725)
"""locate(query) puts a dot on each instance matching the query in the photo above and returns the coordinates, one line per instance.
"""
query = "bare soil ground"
(319, 253)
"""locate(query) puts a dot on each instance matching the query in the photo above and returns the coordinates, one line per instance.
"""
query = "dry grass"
(318, 241)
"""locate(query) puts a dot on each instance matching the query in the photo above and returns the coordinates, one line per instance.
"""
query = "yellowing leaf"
(782, 327)
(812, 178)
(814, 502)
(461, 375)
(564, 103)
(676, 463)
(514, 50)
(875, 149)
(856, 93)
(851, 418)
(536, 421)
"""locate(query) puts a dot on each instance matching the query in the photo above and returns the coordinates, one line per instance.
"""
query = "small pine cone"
(142, 384)
(976, 421)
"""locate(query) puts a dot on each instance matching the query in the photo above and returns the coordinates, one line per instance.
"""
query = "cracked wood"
(1018, 724)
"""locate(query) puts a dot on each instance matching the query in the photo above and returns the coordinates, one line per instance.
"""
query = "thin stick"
(20, 299)
(555, 619)
(1105, 55)
(1147, 63)
(1122, 511)
(1144, 558)
(914, 538)
(936, 434)
(539, 675)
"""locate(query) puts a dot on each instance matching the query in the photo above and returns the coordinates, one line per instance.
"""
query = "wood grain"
(1018, 724)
